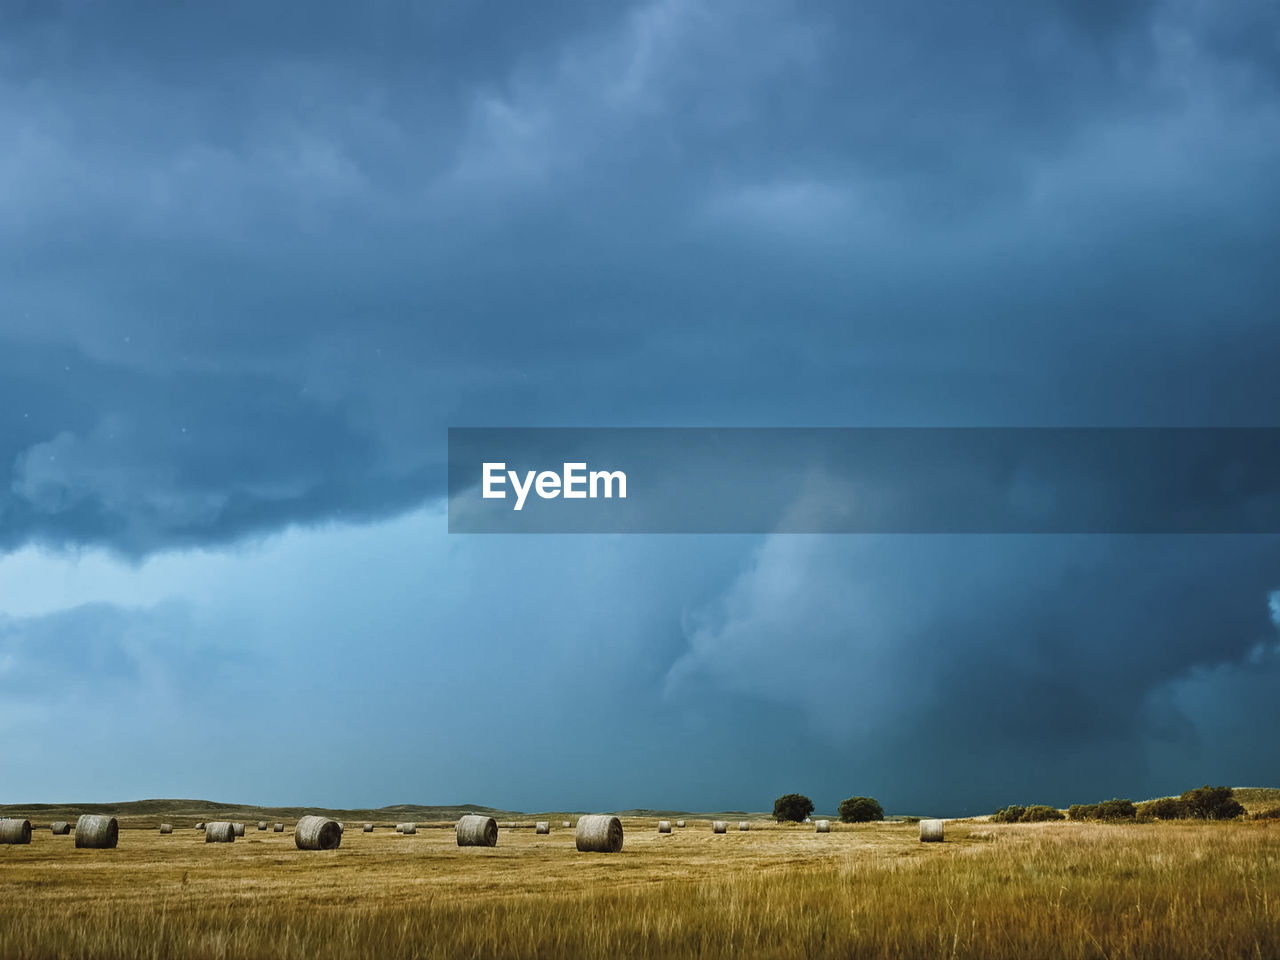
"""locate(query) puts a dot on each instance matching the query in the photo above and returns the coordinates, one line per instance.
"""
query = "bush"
(1272, 814)
(792, 806)
(1165, 808)
(1010, 814)
(1041, 814)
(1212, 803)
(860, 810)
(1117, 809)
(1114, 809)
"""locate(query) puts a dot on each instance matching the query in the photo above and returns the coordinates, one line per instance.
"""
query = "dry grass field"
(1044, 890)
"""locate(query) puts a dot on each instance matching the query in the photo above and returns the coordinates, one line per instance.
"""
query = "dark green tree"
(792, 806)
(1212, 803)
(1165, 808)
(1010, 814)
(1116, 809)
(860, 810)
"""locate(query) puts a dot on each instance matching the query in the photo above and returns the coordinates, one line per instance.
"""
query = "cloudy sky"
(254, 261)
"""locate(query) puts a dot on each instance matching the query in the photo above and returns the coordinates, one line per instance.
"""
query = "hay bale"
(744, 826)
(278, 828)
(474, 830)
(262, 825)
(542, 826)
(407, 828)
(566, 824)
(60, 828)
(239, 829)
(719, 826)
(200, 825)
(599, 833)
(166, 828)
(368, 828)
(317, 833)
(680, 824)
(15, 831)
(95, 832)
(822, 826)
(220, 831)
(930, 831)
(664, 826)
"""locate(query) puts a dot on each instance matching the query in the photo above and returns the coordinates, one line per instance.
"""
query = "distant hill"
(1257, 799)
(147, 812)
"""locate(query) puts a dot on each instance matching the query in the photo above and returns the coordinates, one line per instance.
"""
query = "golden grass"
(1042, 890)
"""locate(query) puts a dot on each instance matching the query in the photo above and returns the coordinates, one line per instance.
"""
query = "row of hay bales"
(601, 833)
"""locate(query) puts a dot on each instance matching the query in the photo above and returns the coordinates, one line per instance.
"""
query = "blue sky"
(254, 263)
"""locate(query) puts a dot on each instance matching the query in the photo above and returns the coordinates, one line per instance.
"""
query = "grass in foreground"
(1050, 890)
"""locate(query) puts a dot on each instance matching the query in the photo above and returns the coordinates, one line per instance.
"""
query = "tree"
(792, 806)
(1116, 809)
(1039, 813)
(860, 810)
(1165, 808)
(1212, 803)
(1010, 814)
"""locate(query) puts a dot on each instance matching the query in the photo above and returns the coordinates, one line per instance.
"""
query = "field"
(1043, 890)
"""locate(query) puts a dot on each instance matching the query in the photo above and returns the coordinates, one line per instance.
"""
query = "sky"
(254, 262)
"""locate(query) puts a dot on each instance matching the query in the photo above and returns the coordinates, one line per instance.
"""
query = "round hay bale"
(542, 826)
(566, 824)
(317, 833)
(680, 824)
(474, 830)
(239, 829)
(166, 828)
(368, 828)
(719, 826)
(278, 828)
(220, 831)
(96, 832)
(511, 825)
(15, 831)
(599, 833)
(822, 826)
(262, 825)
(664, 826)
(744, 826)
(930, 831)
(408, 828)
(60, 828)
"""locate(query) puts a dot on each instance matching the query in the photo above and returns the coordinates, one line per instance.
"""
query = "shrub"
(1117, 809)
(1010, 814)
(1212, 803)
(792, 806)
(1165, 808)
(860, 810)
(1272, 814)
(1039, 813)
(1114, 809)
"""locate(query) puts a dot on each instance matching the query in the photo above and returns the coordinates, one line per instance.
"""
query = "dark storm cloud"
(348, 231)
